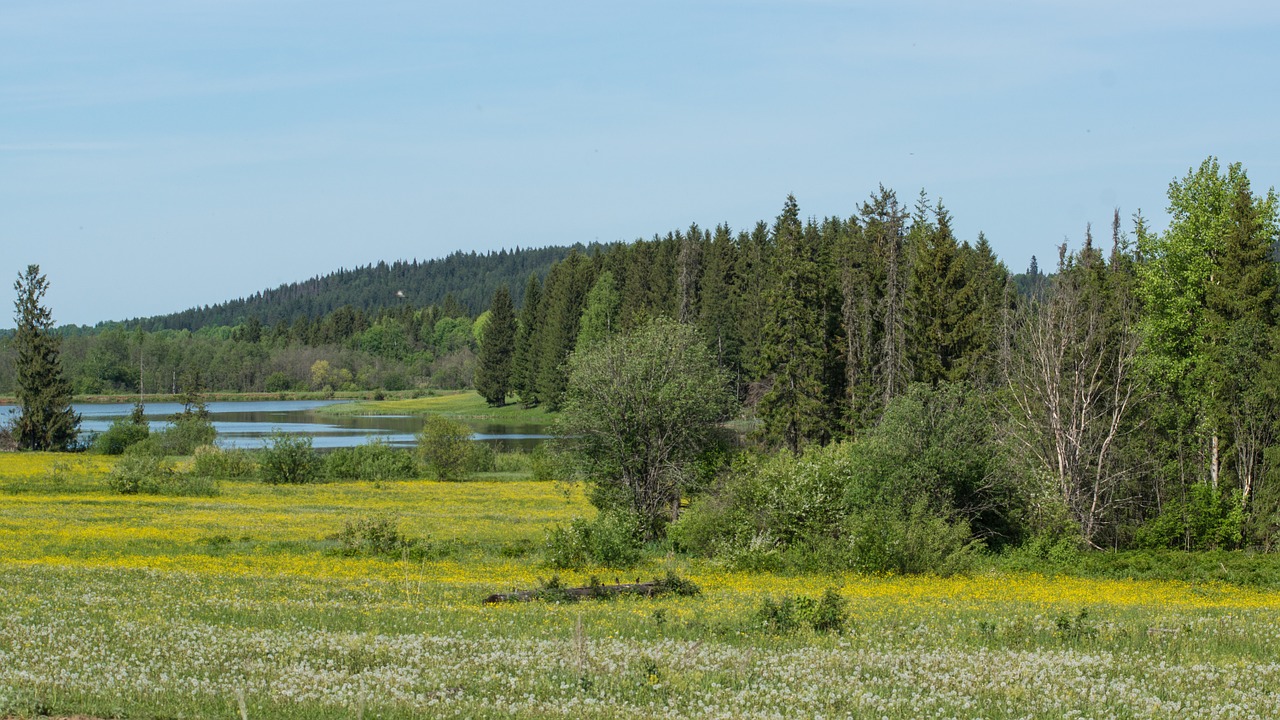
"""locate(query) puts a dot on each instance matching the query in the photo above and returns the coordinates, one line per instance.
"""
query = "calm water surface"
(250, 424)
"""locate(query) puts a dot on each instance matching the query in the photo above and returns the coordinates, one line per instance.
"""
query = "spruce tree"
(493, 376)
(524, 362)
(563, 299)
(792, 349)
(937, 279)
(750, 304)
(47, 421)
(976, 335)
(717, 290)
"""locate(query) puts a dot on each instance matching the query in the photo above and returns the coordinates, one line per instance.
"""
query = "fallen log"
(648, 589)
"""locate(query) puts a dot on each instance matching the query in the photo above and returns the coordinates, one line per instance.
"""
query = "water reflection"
(249, 424)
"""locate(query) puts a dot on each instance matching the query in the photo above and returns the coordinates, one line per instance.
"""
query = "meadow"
(243, 605)
(460, 405)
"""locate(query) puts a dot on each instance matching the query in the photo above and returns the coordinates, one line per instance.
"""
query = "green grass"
(462, 405)
(164, 607)
(1243, 568)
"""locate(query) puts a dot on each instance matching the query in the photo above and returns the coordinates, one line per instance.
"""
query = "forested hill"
(470, 277)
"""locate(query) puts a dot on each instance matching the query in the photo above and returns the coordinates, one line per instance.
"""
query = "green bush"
(768, 505)
(122, 434)
(380, 536)
(481, 458)
(445, 447)
(911, 540)
(826, 614)
(141, 473)
(612, 539)
(289, 460)
(1207, 519)
(372, 461)
(512, 462)
(546, 463)
(183, 436)
(214, 462)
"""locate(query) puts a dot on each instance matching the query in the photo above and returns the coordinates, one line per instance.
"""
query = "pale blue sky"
(159, 154)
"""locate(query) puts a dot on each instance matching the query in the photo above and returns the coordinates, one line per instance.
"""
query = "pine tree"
(47, 421)
(524, 362)
(792, 351)
(493, 376)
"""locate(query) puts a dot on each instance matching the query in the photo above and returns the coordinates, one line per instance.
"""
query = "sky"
(159, 155)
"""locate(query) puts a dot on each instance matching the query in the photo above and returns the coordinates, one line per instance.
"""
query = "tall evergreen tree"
(937, 279)
(792, 350)
(47, 421)
(754, 275)
(497, 351)
(977, 334)
(563, 298)
(717, 291)
(524, 361)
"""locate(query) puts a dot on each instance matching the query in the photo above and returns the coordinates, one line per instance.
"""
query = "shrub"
(184, 435)
(154, 475)
(372, 461)
(612, 539)
(512, 462)
(445, 447)
(122, 434)
(1205, 520)
(916, 539)
(675, 585)
(378, 535)
(826, 614)
(214, 462)
(289, 460)
(771, 504)
(546, 463)
(136, 470)
(481, 458)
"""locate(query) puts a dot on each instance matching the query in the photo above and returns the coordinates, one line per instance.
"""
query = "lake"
(250, 424)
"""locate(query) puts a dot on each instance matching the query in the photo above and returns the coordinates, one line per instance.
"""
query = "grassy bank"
(233, 396)
(463, 405)
(151, 606)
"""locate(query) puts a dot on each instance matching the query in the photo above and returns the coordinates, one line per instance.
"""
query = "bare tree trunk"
(1213, 460)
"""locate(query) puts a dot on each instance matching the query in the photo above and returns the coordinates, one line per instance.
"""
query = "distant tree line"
(469, 277)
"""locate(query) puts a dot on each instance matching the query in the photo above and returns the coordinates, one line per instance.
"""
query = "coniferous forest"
(1127, 394)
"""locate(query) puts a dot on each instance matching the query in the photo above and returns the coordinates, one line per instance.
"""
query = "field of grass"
(117, 606)
(462, 405)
